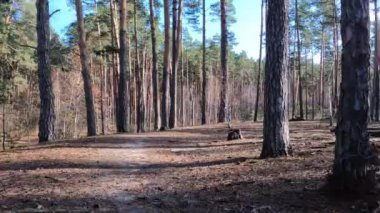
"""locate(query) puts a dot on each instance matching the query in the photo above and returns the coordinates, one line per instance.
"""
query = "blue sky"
(246, 29)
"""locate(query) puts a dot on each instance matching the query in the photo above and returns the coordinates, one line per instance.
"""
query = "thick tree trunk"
(276, 129)
(122, 115)
(223, 107)
(260, 58)
(352, 148)
(90, 111)
(165, 74)
(47, 114)
(204, 74)
(154, 68)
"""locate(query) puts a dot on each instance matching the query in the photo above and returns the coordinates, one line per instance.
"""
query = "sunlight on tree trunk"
(352, 147)
(276, 130)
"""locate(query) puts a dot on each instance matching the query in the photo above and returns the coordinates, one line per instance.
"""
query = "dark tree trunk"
(154, 68)
(204, 74)
(47, 114)
(260, 58)
(376, 80)
(223, 107)
(276, 130)
(165, 74)
(122, 115)
(87, 83)
(352, 148)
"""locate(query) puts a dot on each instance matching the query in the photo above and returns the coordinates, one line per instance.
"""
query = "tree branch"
(54, 12)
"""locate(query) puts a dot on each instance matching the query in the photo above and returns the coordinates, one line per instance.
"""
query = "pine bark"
(166, 68)
(276, 130)
(87, 83)
(123, 111)
(352, 148)
(223, 107)
(47, 114)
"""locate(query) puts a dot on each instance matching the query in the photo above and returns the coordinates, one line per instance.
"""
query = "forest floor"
(186, 170)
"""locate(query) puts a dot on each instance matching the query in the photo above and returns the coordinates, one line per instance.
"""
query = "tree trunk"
(122, 112)
(204, 74)
(260, 58)
(299, 63)
(115, 64)
(322, 74)
(177, 32)
(306, 89)
(294, 80)
(165, 74)
(47, 114)
(376, 81)
(90, 111)
(102, 81)
(336, 58)
(276, 129)
(223, 107)
(102, 74)
(154, 68)
(312, 83)
(352, 148)
(138, 76)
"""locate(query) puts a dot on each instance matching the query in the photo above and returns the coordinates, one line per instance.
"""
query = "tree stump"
(234, 134)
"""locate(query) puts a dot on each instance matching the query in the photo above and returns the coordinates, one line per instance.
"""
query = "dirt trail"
(188, 170)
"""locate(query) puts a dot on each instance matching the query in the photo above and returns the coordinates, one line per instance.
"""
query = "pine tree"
(47, 114)
(276, 129)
